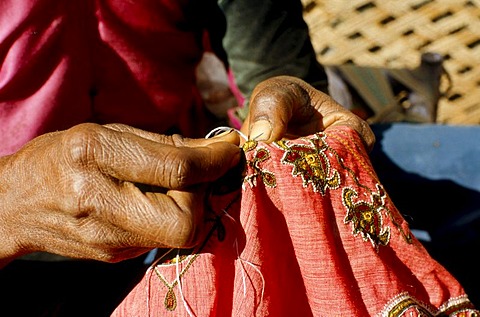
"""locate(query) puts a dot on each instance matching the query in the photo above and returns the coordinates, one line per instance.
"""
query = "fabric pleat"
(312, 232)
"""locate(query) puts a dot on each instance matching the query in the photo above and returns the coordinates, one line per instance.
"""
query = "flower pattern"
(311, 163)
(366, 218)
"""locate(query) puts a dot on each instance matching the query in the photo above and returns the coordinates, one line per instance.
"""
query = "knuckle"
(184, 169)
(82, 145)
(184, 232)
(180, 169)
(178, 140)
(81, 142)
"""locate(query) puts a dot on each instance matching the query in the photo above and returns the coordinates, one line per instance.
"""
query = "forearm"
(269, 38)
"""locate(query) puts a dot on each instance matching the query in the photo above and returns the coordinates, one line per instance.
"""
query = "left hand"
(288, 107)
(108, 192)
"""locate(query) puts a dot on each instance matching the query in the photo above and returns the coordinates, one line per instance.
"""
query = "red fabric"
(313, 233)
(67, 62)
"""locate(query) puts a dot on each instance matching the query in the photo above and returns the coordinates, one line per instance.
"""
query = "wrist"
(9, 226)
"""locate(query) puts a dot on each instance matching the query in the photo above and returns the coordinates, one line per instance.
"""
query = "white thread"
(254, 266)
(228, 215)
(235, 243)
(219, 130)
(149, 280)
(179, 282)
(177, 268)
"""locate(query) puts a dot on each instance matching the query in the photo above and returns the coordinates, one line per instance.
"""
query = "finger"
(276, 107)
(289, 107)
(333, 114)
(130, 157)
(340, 118)
(169, 219)
(228, 136)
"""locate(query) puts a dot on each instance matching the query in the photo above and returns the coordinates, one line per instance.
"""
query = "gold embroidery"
(408, 304)
(249, 145)
(404, 304)
(170, 300)
(368, 169)
(366, 217)
(311, 163)
(459, 306)
(260, 156)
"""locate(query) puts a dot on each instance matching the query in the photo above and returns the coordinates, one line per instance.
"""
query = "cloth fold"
(312, 232)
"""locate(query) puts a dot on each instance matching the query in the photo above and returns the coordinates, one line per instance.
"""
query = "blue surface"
(430, 168)
(432, 174)
(436, 152)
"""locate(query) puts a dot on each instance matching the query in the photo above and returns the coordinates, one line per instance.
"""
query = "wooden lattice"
(394, 34)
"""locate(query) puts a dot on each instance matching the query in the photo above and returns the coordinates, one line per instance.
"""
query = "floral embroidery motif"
(366, 217)
(310, 159)
(254, 170)
(311, 163)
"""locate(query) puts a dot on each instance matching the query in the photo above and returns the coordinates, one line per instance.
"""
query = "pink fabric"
(312, 233)
(67, 62)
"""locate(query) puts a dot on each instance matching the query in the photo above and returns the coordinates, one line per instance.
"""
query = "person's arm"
(269, 38)
(74, 192)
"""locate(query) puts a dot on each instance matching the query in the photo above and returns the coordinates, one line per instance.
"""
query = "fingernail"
(260, 131)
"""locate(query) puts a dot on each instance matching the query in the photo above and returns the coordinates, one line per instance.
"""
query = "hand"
(288, 107)
(74, 192)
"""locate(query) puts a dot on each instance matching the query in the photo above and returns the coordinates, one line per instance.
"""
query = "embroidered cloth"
(312, 232)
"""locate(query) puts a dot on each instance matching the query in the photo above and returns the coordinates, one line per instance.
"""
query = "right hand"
(286, 106)
(74, 192)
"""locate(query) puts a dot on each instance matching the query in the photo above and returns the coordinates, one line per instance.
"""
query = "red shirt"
(68, 62)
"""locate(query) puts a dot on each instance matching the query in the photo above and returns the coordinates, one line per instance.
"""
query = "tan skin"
(288, 107)
(73, 192)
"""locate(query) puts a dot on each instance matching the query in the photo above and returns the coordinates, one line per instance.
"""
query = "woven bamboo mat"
(394, 34)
